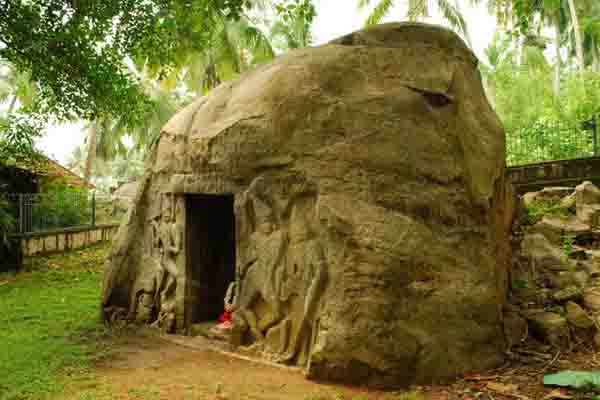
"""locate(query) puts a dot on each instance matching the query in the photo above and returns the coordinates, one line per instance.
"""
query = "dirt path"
(150, 367)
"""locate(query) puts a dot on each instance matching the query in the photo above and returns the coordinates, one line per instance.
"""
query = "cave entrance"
(210, 236)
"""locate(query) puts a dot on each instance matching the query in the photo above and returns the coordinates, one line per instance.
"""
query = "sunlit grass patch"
(49, 319)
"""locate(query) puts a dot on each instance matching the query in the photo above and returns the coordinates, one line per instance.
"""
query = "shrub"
(540, 208)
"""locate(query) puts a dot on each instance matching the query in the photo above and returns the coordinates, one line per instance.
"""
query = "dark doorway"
(210, 223)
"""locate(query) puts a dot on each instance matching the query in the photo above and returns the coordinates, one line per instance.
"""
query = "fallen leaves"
(502, 388)
(557, 394)
(481, 377)
(506, 389)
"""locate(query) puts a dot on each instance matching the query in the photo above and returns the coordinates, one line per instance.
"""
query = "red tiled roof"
(50, 168)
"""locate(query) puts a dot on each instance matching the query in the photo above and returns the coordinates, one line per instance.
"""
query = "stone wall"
(527, 178)
(555, 293)
(41, 243)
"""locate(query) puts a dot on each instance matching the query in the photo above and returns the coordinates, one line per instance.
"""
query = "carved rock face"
(370, 207)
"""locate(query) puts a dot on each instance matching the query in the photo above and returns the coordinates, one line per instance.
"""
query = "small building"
(31, 180)
(25, 178)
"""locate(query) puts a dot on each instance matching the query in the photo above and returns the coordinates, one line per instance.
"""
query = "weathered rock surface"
(550, 327)
(577, 316)
(543, 253)
(515, 328)
(588, 204)
(566, 294)
(554, 228)
(548, 193)
(371, 211)
(591, 299)
(559, 279)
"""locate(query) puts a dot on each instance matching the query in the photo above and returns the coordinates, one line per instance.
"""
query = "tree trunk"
(518, 57)
(557, 63)
(596, 56)
(578, 38)
(11, 106)
(91, 156)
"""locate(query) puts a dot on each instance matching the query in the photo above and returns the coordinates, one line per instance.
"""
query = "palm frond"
(416, 9)
(363, 4)
(257, 42)
(227, 51)
(454, 18)
(380, 11)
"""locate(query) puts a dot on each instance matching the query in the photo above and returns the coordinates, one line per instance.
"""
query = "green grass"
(49, 322)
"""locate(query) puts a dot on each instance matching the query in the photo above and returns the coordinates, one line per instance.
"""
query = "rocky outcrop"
(561, 266)
(371, 211)
(542, 253)
(549, 326)
(587, 200)
(549, 193)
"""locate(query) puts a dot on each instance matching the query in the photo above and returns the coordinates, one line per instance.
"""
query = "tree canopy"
(76, 50)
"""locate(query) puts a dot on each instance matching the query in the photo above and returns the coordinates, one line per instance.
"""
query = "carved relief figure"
(258, 275)
(158, 294)
(283, 274)
(303, 284)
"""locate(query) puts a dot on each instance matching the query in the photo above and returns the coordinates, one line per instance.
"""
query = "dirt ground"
(153, 367)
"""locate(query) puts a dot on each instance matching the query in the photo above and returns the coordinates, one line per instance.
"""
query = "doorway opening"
(210, 236)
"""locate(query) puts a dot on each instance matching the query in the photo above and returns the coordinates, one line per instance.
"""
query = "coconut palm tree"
(236, 47)
(591, 33)
(16, 88)
(577, 34)
(496, 54)
(554, 13)
(294, 34)
(583, 43)
(144, 135)
(417, 9)
(95, 130)
(77, 159)
(292, 29)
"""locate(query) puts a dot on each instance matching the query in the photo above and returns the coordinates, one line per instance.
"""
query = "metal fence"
(550, 141)
(39, 212)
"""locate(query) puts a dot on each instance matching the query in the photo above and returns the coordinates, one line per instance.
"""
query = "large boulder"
(542, 253)
(555, 228)
(548, 193)
(549, 327)
(371, 211)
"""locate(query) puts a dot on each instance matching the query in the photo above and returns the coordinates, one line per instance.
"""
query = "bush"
(540, 208)
(60, 206)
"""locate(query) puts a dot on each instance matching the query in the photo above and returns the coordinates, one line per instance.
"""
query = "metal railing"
(39, 212)
(551, 141)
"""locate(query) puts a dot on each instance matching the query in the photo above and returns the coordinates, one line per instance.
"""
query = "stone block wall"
(532, 177)
(41, 243)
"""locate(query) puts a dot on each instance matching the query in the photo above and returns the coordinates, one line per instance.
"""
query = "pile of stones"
(555, 294)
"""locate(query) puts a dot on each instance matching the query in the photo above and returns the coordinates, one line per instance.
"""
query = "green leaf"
(573, 379)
